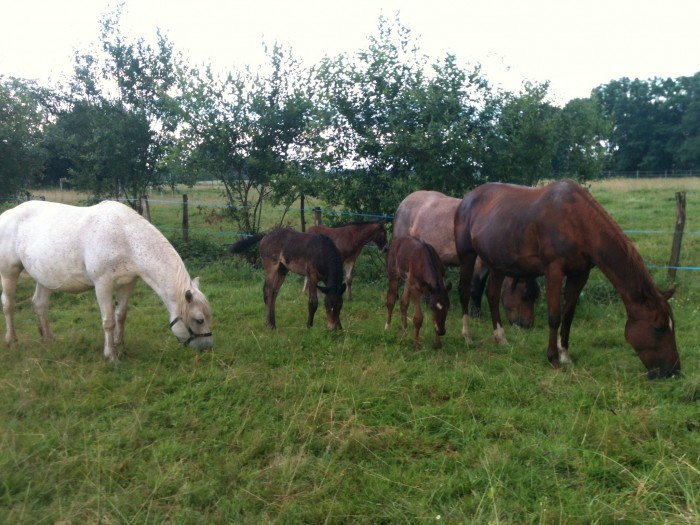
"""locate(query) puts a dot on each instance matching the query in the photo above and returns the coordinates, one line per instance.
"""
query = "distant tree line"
(359, 130)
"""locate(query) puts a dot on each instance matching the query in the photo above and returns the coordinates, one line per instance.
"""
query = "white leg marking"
(564, 357)
(500, 335)
(465, 329)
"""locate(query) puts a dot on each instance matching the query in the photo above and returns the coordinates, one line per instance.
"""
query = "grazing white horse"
(105, 247)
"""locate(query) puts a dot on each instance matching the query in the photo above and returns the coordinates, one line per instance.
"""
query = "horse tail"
(246, 243)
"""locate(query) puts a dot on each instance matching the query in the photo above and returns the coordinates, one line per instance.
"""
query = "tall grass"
(308, 426)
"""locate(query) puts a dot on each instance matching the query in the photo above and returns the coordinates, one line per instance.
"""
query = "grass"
(308, 426)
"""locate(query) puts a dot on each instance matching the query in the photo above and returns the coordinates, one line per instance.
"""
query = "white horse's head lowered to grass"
(192, 326)
(105, 247)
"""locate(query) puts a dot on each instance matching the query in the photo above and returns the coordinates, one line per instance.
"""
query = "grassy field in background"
(308, 426)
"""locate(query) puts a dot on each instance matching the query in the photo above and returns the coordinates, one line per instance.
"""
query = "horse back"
(67, 247)
(303, 253)
(409, 256)
(520, 230)
(429, 215)
(349, 238)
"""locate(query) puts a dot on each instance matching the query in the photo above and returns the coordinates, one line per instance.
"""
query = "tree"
(398, 125)
(109, 147)
(523, 140)
(256, 133)
(121, 117)
(655, 123)
(582, 132)
(23, 116)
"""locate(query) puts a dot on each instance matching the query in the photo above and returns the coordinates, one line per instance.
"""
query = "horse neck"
(164, 271)
(334, 272)
(433, 275)
(366, 231)
(620, 262)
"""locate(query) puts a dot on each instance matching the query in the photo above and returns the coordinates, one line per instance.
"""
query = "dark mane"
(330, 260)
(635, 270)
(437, 270)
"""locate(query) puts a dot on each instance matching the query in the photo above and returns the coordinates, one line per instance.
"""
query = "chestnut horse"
(560, 231)
(429, 215)
(350, 239)
(417, 264)
(314, 256)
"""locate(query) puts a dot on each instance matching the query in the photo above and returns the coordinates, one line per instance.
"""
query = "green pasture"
(307, 426)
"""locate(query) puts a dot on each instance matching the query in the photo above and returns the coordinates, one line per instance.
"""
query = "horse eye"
(660, 329)
(199, 321)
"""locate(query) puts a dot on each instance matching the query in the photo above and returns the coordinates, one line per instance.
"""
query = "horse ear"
(188, 296)
(668, 293)
(322, 288)
(195, 282)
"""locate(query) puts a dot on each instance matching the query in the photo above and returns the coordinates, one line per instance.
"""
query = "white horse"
(105, 247)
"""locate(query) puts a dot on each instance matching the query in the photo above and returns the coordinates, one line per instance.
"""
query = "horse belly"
(62, 270)
(59, 279)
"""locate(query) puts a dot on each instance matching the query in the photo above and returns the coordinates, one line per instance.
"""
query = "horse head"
(439, 303)
(192, 326)
(519, 296)
(651, 333)
(333, 304)
(379, 238)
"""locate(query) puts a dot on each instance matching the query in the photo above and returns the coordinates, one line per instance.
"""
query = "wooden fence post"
(317, 216)
(677, 235)
(185, 220)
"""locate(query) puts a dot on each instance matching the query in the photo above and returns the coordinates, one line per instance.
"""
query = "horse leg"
(466, 271)
(123, 294)
(274, 277)
(9, 287)
(349, 266)
(554, 276)
(417, 317)
(40, 300)
(313, 301)
(572, 290)
(391, 296)
(104, 292)
(477, 291)
(494, 297)
(405, 299)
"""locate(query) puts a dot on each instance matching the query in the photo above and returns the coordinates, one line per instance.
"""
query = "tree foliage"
(23, 116)
(120, 116)
(656, 123)
(256, 133)
(523, 140)
(360, 130)
(399, 125)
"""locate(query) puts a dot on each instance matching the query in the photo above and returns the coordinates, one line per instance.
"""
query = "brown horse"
(429, 215)
(314, 256)
(560, 231)
(350, 239)
(417, 264)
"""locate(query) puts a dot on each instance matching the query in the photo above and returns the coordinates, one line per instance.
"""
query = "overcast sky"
(576, 45)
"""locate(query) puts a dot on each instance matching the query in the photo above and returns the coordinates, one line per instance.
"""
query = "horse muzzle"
(665, 372)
